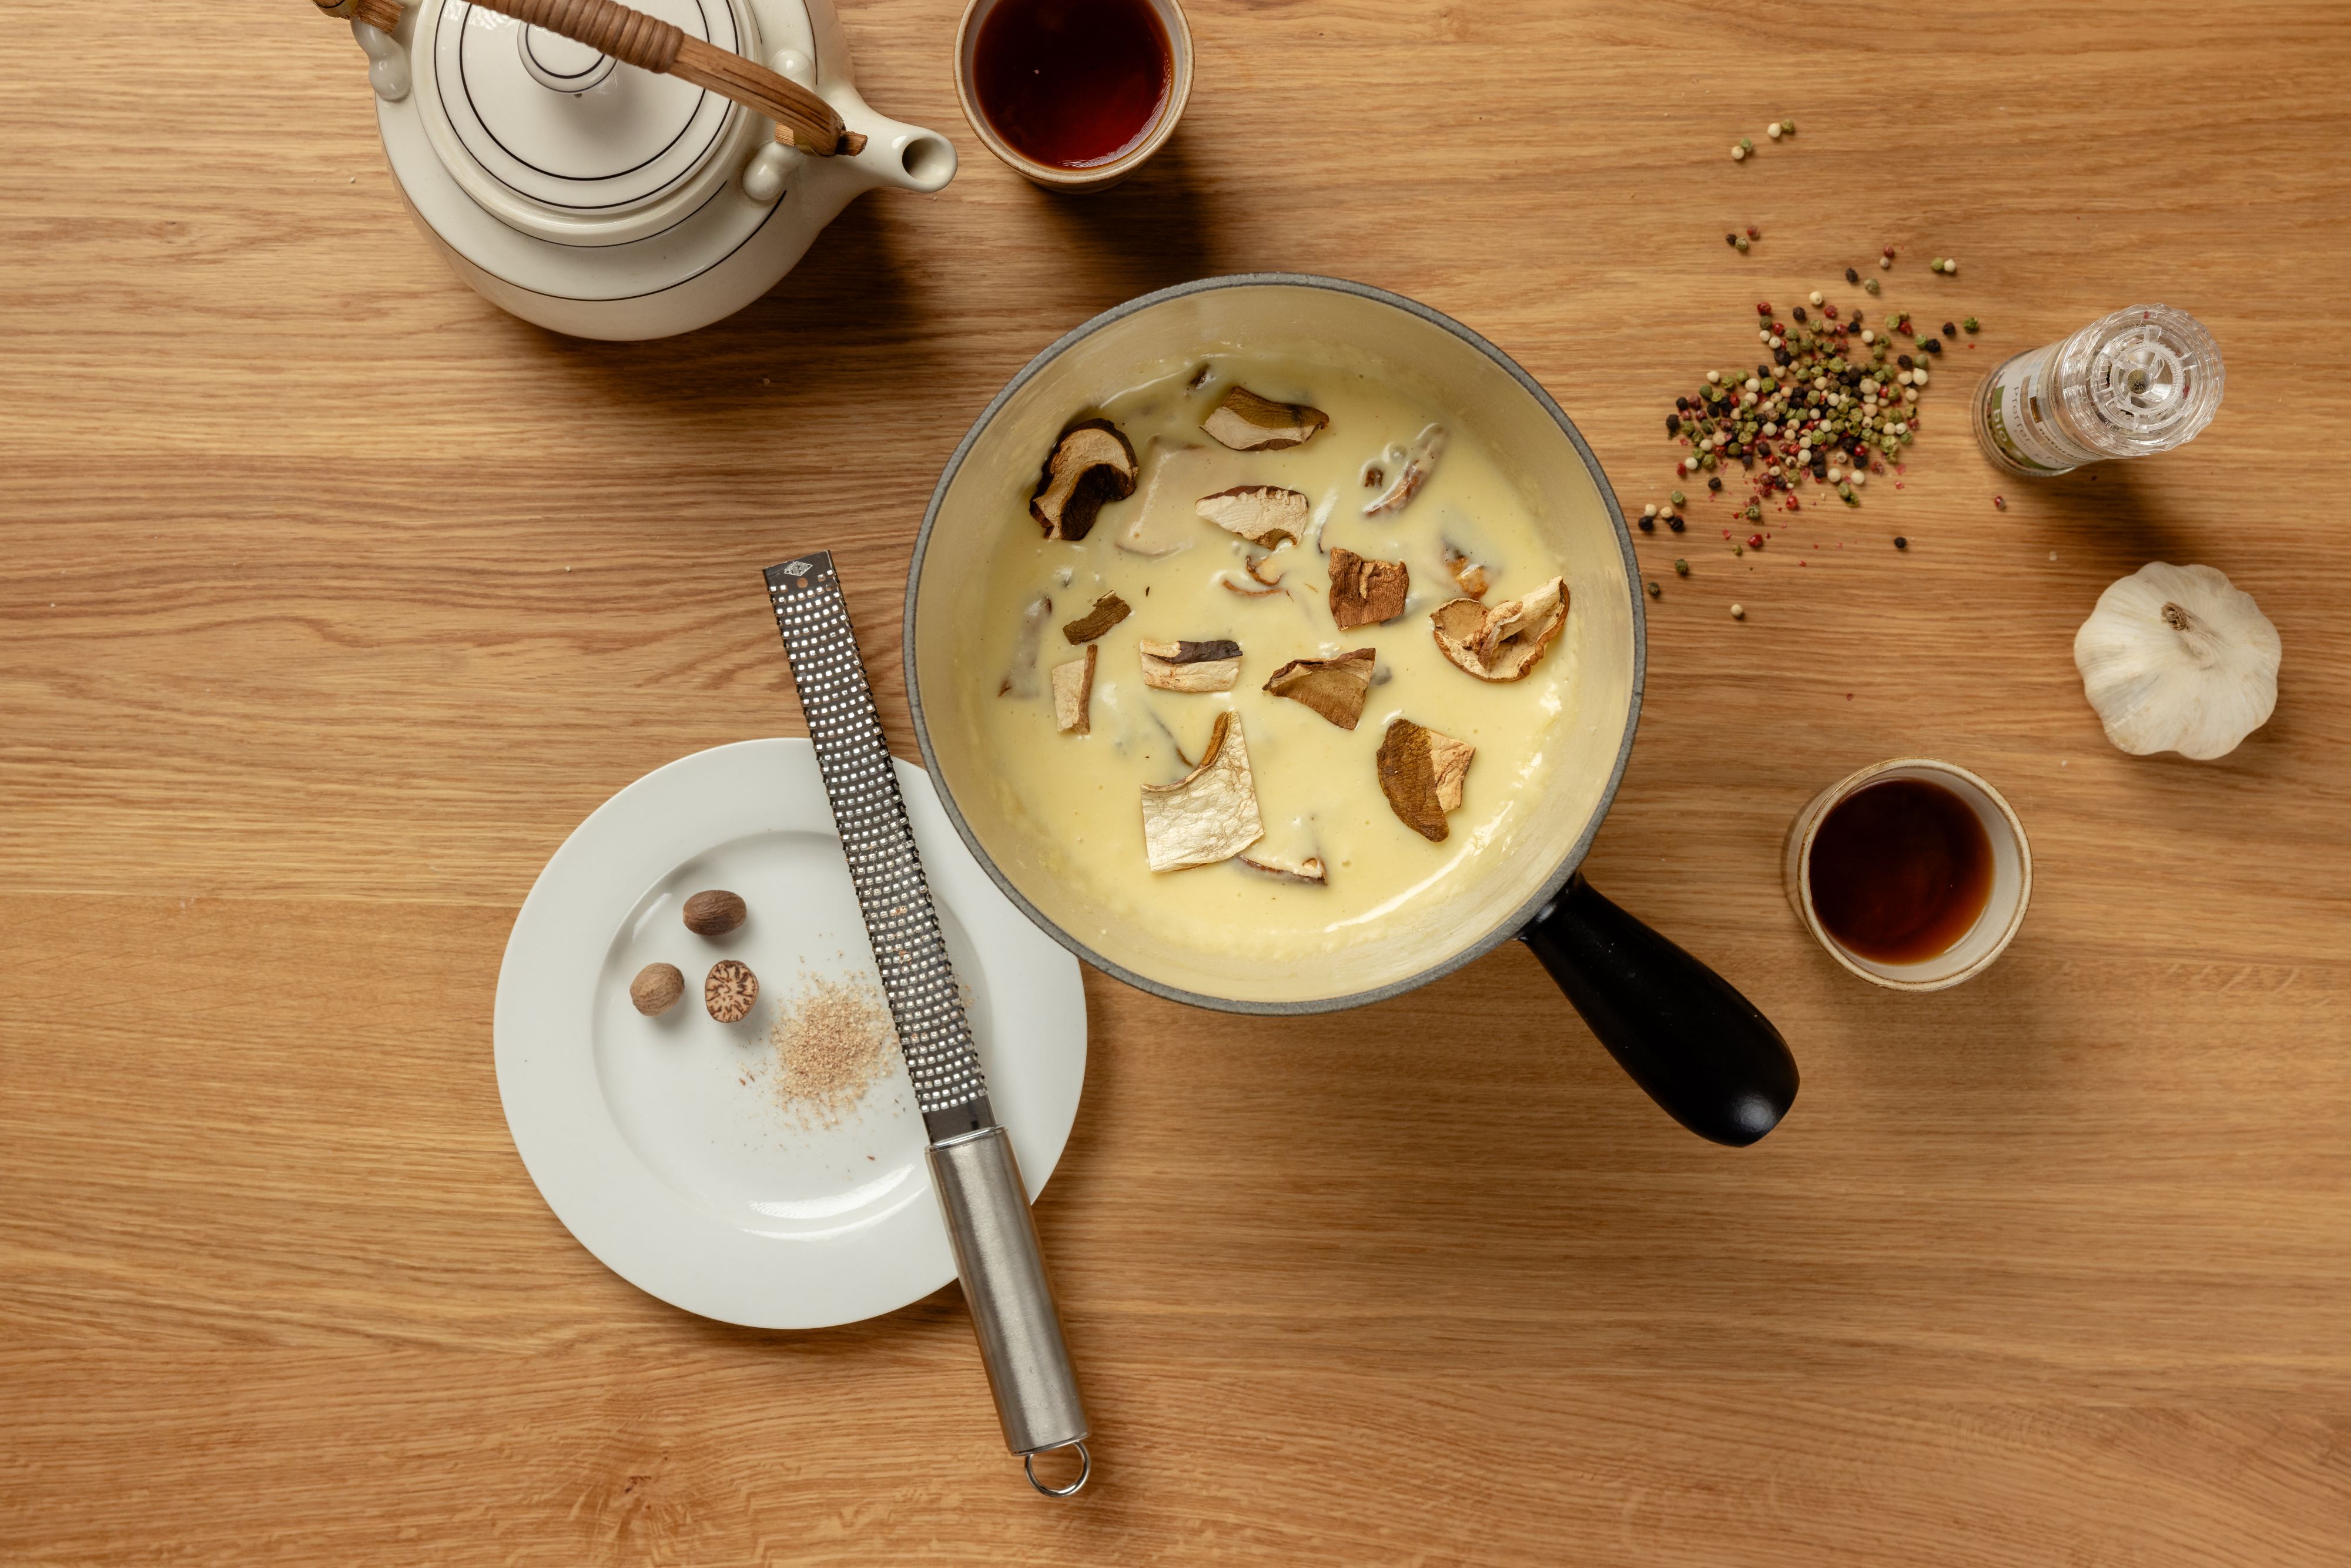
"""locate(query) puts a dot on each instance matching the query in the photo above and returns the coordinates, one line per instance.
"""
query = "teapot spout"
(906, 157)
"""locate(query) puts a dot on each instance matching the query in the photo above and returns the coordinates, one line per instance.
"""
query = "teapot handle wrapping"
(651, 44)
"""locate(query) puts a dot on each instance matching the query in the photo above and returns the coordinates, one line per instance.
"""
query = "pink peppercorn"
(1763, 308)
(1755, 541)
(1829, 311)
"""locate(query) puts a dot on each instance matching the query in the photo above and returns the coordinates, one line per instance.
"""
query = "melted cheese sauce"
(1317, 785)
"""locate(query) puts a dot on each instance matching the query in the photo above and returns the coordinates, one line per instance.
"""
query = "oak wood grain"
(326, 610)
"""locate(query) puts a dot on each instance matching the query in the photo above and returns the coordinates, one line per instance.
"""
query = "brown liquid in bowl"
(1900, 871)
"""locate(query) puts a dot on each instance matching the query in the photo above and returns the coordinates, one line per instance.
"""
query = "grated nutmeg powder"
(833, 1040)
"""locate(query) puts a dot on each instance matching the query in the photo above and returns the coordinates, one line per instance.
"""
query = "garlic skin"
(2176, 658)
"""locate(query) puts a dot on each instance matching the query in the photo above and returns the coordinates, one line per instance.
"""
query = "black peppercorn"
(1673, 523)
(1933, 345)
(1731, 239)
(1851, 275)
(1762, 373)
(1901, 543)
(1950, 330)
(1782, 357)
(1715, 483)
(1648, 525)
(1673, 424)
(1801, 317)
(1682, 404)
(1906, 361)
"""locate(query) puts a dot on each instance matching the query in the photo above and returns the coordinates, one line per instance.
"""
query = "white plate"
(660, 1142)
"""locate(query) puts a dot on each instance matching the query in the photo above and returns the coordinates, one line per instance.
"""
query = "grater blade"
(934, 1035)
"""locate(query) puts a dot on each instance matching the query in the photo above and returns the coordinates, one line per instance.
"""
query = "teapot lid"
(564, 127)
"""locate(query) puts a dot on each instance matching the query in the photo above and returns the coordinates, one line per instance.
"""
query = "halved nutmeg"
(1335, 688)
(714, 913)
(1190, 666)
(1365, 592)
(1208, 815)
(1501, 641)
(1308, 869)
(728, 991)
(1092, 463)
(1073, 693)
(1419, 463)
(1247, 423)
(1264, 515)
(1107, 612)
(1421, 773)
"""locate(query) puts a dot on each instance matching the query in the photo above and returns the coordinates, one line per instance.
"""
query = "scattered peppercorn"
(1675, 524)
(1999, 503)
(1679, 499)
(1851, 275)
(1731, 239)
(1648, 525)
(1971, 324)
(1755, 541)
(1763, 307)
(1950, 330)
(1741, 241)
(1673, 424)
(1901, 543)
(1801, 317)
(1738, 612)
(1655, 591)
(1754, 233)
(1869, 285)
(1681, 569)
(1932, 345)
(1715, 483)
(1906, 361)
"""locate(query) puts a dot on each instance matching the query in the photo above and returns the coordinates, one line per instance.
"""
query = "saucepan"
(1687, 1036)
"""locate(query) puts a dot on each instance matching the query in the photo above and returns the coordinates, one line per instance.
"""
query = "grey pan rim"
(1504, 930)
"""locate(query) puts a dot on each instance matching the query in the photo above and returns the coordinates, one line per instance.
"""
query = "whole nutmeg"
(714, 913)
(656, 988)
(729, 990)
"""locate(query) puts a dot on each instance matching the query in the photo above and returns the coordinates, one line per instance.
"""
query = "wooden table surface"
(333, 599)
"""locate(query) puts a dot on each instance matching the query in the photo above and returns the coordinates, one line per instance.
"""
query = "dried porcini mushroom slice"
(1427, 448)
(1073, 693)
(729, 989)
(1365, 592)
(1107, 612)
(1190, 666)
(1421, 773)
(1091, 464)
(1335, 688)
(1471, 577)
(1208, 815)
(1247, 423)
(1021, 680)
(1264, 515)
(1308, 869)
(1501, 641)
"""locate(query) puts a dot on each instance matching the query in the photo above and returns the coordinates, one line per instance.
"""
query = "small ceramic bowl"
(1097, 176)
(2003, 911)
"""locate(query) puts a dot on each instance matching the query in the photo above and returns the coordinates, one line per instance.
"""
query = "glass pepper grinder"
(2138, 381)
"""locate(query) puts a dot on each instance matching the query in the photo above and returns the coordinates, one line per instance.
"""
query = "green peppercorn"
(1681, 569)
(1678, 498)
(1746, 143)
(1741, 241)
(1869, 284)
(1655, 591)
(1971, 324)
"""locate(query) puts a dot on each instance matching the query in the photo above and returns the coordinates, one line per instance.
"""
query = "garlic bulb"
(2175, 659)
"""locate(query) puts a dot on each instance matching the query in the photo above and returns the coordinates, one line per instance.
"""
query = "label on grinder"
(2012, 413)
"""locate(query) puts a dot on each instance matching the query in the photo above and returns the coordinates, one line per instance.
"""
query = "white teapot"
(581, 164)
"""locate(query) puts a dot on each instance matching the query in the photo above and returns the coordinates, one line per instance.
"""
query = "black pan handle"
(1701, 1049)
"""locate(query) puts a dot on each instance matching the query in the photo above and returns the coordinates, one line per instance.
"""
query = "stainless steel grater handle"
(1011, 1301)
(986, 1208)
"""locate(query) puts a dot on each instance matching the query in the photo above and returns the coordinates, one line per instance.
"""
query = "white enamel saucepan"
(1699, 1048)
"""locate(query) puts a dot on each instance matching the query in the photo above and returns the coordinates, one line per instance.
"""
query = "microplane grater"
(860, 780)
(981, 1196)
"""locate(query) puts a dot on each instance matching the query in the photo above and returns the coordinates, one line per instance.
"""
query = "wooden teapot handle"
(651, 44)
